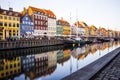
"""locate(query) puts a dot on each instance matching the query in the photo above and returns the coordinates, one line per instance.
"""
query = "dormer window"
(10, 13)
(16, 14)
(4, 12)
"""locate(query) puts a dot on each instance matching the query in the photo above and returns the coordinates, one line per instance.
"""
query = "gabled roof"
(92, 27)
(80, 24)
(37, 9)
(9, 12)
(50, 13)
(63, 22)
(23, 15)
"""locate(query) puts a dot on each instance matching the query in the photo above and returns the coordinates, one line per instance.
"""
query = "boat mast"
(70, 26)
(77, 23)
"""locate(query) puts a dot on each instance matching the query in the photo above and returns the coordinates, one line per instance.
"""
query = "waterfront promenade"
(105, 68)
(111, 71)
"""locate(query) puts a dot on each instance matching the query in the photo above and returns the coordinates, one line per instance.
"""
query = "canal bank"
(28, 43)
(89, 72)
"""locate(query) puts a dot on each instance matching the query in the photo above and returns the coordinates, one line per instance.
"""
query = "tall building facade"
(26, 26)
(40, 19)
(66, 27)
(59, 28)
(9, 24)
(51, 23)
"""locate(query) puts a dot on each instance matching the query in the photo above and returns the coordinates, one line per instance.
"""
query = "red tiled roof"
(50, 13)
(63, 22)
(37, 9)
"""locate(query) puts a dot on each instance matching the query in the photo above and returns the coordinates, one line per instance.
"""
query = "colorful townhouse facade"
(26, 26)
(66, 28)
(79, 29)
(59, 27)
(9, 24)
(93, 31)
(51, 23)
(40, 19)
(63, 28)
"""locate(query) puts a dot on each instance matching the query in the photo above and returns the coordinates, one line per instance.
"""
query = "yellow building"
(93, 31)
(10, 67)
(66, 27)
(9, 24)
(103, 32)
(87, 31)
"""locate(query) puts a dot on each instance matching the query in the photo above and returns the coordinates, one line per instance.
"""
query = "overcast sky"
(104, 13)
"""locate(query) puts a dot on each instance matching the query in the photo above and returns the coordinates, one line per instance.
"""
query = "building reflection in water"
(62, 56)
(44, 63)
(10, 67)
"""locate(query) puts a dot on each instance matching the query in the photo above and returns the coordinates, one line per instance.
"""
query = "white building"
(79, 29)
(51, 23)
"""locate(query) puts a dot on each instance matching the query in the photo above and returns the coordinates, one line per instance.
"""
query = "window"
(6, 66)
(10, 65)
(35, 22)
(0, 17)
(26, 18)
(2, 74)
(13, 24)
(29, 23)
(16, 14)
(9, 18)
(17, 19)
(14, 65)
(9, 24)
(23, 22)
(10, 13)
(36, 16)
(14, 18)
(17, 25)
(4, 12)
(1, 24)
(5, 17)
(5, 24)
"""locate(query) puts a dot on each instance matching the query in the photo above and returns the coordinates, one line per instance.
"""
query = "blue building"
(26, 26)
(27, 62)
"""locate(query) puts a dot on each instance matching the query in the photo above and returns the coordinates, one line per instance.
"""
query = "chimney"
(10, 9)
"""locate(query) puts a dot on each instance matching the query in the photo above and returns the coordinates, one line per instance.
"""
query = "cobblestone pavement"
(111, 71)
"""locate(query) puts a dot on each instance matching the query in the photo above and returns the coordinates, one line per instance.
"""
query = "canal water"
(50, 63)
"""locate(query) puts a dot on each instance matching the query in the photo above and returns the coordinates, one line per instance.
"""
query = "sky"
(100, 13)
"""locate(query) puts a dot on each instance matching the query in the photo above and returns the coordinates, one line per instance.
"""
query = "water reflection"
(49, 62)
(10, 67)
